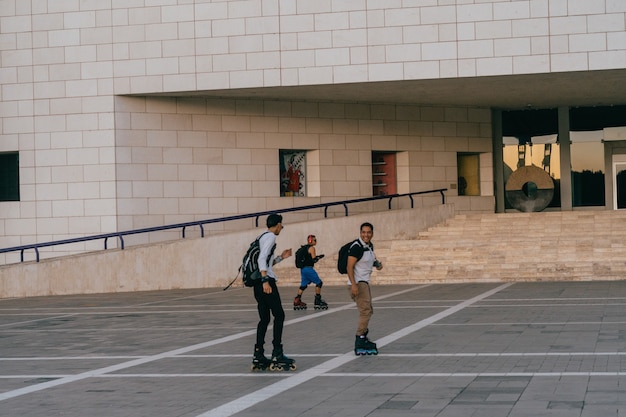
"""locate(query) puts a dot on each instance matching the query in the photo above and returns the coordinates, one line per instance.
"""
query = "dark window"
(9, 176)
(587, 162)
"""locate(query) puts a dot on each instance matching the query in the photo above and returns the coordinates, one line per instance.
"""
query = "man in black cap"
(268, 299)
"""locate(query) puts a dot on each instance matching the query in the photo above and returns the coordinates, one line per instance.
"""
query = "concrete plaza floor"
(485, 350)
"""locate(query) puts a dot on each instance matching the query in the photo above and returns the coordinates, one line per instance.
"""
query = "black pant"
(267, 303)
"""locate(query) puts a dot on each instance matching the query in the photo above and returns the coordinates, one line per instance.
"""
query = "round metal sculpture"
(529, 188)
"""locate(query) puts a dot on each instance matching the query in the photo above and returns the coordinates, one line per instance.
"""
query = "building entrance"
(619, 191)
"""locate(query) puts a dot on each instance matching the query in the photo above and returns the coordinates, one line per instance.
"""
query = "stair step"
(578, 245)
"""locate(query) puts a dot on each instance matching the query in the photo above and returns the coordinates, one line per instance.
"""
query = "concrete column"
(566, 159)
(498, 160)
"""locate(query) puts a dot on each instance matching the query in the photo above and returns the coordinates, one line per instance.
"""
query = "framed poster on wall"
(292, 173)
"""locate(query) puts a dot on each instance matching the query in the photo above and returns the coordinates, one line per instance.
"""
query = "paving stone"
(528, 349)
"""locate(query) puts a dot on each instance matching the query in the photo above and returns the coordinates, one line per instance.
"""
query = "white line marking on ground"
(533, 323)
(233, 375)
(430, 320)
(36, 320)
(555, 305)
(186, 297)
(140, 361)
(272, 390)
(512, 354)
(120, 366)
(32, 376)
(477, 374)
(70, 358)
(340, 374)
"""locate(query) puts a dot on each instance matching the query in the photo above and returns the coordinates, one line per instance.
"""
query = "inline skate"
(363, 346)
(280, 362)
(298, 304)
(259, 361)
(319, 303)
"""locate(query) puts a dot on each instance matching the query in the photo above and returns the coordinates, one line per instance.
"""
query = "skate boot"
(298, 304)
(259, 361)
(319, 303)
(280, 362)
(363, 346)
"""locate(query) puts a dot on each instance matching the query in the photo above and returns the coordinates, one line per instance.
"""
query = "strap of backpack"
(364, 247)
(241, 266)
(234, 279)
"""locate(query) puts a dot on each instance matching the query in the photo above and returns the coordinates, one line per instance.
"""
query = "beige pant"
(364, 304)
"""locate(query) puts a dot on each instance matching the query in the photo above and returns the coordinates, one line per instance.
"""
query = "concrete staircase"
(547, 246)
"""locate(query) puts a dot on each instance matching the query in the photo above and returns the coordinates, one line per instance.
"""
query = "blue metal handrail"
(201, 223)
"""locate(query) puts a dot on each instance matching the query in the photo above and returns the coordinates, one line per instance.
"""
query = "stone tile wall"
(92, 161)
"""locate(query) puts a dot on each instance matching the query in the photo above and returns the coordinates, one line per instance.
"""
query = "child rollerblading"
(259, 361)
(280, 362)
(305, 259)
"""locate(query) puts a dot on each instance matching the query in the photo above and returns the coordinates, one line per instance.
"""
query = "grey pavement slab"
(489, 349)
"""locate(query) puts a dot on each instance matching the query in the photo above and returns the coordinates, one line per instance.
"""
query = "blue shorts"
(308, 275)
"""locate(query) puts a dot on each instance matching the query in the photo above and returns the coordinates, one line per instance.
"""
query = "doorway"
(468, 166)
(619, 191)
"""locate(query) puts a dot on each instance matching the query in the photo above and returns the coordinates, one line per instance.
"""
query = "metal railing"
(201, 223)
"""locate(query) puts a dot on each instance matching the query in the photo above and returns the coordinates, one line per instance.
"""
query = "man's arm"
(265, 246)
(354, 289)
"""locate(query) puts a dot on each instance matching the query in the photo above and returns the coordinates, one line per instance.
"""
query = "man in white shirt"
(268, 299)
(361, 261)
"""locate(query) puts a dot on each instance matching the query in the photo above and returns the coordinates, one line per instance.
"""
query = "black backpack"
(250, 263)
(342, 259)
(301, 256)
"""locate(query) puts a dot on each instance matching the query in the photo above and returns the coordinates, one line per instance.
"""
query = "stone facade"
(114, 105)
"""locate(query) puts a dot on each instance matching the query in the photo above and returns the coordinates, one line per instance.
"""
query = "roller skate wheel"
(292, 367)
(276, 367)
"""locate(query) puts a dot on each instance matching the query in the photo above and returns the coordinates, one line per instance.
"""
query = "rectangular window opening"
(384, 180)
(9, 176)
(468, 165)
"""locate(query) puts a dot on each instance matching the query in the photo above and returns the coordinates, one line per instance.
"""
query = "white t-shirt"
(267, 244)
(363, 267)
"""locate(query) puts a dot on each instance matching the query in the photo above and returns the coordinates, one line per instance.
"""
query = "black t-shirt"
(308, 259)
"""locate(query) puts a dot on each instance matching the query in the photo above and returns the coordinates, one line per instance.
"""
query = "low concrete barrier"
(198, 262)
